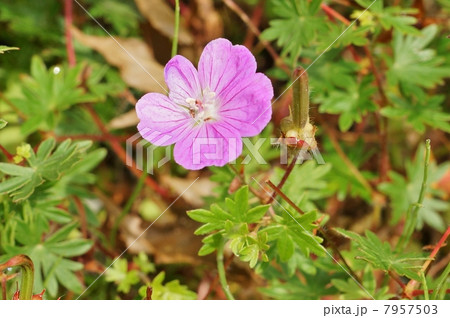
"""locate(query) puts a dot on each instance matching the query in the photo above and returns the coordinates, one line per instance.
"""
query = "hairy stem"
(25, 263)
(176, 29)
(300, 109)
(221, 270)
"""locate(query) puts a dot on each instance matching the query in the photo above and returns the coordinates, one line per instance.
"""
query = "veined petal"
(182, 80)
(223, 66)
(248, 108)
(213, 144)
(162, 122)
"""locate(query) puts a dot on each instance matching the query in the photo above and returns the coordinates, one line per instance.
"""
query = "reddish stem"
(92, 137)
(436, 249)
(256, 20)
(123, 156)
(82, 213)
(332, 13)
(284, 178)
(3, 282)
(412, 283)
(68, 24)
(245, 18)
(8, 155)
(278, 191)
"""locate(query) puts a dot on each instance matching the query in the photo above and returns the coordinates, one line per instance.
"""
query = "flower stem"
(221, 270)
(177, 28)
(300, 109)
(413, 211)
(26, 264)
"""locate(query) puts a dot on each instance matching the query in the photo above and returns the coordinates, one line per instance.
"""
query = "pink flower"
(208, 111)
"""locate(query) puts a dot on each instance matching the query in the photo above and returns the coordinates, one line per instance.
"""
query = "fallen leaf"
(194, 194)
(132, 56)
(124, 121)
(207, 21)
(162, 17)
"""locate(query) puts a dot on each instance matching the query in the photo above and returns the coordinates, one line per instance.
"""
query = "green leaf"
(44, 166)
(15, 170)
(387, 17)
(352, 103)
(285, 247)
(232, 221)
(380, 255)
(340, 179)
(404, 191)
(306, 184)
(297, 25)
(119, 274)
(419, 110)
(297, 229)
(70, 248)
(172, 290)
(45, 94)
(13, 184)
(413, 65)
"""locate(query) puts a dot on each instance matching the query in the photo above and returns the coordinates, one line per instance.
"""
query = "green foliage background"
(377, 92)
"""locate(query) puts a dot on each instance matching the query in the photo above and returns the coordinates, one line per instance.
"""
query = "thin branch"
(412, 283)
(257, 15)
(82, 213)
(68, 34)
(221, 271)
(322, 231)
(7, 154)
(123, 156)
(176, 28)
(284, 178)
(245, 18)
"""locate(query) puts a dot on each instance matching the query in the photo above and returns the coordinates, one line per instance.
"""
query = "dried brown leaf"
(202, 188)
(126, 120)
(207, 21)
(132, 56)
(161, 16)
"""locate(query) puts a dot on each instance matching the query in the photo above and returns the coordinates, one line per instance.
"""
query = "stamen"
(205, 108)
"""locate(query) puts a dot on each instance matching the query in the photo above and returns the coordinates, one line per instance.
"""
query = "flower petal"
(223, 66)
(182, 79)
(213, 144)
(248, 108)
(162, 122)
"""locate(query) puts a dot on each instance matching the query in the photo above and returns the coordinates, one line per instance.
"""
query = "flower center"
(205, 108)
